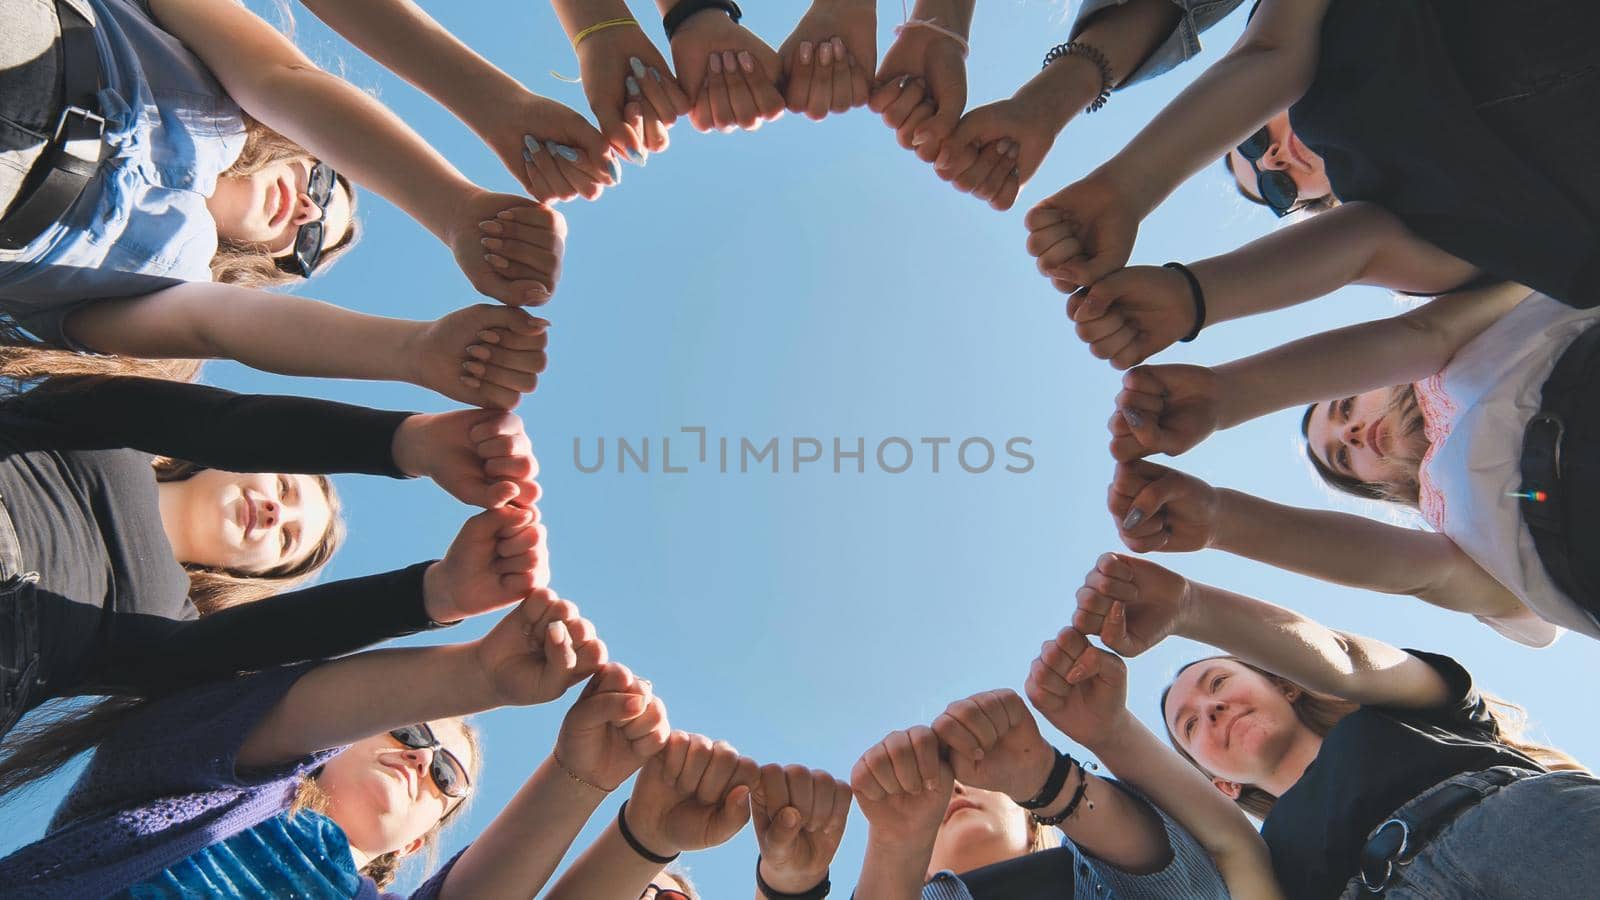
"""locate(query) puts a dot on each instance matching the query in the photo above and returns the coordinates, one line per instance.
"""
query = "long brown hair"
(1320, 712)
(1405, 490)
(309, 796)
(248, 264)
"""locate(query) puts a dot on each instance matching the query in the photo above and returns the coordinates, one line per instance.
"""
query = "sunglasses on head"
(447, 772)
(1276, 189)
(656, 892)
(308, 240)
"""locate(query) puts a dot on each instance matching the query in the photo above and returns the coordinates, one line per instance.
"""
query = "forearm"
(1286, 643)
(407, 41)
(576, 15)
(1127, 33)
(1119, 828)
(348, 699)
(1270, 68)
(277, 333)
(517, 853)
(1141, 760)
(892, 872)
(608, 870)
(1356, 243)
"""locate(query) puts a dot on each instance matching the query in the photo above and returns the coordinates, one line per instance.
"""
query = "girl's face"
(1361, 437)
(1285, 154)
(245, 523)
(980, 828)
(380, 793)
(267, 207)
(1235, 722)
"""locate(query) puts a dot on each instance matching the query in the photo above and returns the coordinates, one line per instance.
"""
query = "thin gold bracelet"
(574, 776)
(601, 26)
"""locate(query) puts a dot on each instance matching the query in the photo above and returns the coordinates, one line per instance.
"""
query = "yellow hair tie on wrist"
(601, 26)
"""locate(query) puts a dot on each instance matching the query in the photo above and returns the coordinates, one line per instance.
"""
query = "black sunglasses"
(308, 240)
(1276, 189)
(447, 772)
(662, 893)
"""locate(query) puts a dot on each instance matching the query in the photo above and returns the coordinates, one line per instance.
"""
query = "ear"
(1291, 692)
(1229, 789)
(408, 849)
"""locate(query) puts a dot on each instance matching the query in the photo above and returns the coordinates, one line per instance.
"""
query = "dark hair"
(1406, 491)
(1320, 712)
(248, 264)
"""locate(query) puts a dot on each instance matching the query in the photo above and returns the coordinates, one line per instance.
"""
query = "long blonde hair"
(310, 797)
(1320, 712)
(248, 264)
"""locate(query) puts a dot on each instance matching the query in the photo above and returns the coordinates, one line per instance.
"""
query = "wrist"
(647, 841)
(1035, 777)
(436, 599)
(1062, 89)
(406, 449)
(784, 880)
(1110, 741)
(448, 214)
(1223, 533)
(1124, 177)
(953, 14)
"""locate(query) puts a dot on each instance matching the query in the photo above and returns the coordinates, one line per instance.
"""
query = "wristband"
(602, 26)
(815, 893)
(1072, 805)
(1092, 54)
(622, 826)
(575, 776)
(686, 8)
(1052, 783)
(1195, 294)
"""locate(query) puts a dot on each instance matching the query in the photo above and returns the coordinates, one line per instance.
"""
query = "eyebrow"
(1198, 680)
(1330, 450)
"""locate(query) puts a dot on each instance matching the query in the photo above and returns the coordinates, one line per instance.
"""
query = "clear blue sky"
(814, 280)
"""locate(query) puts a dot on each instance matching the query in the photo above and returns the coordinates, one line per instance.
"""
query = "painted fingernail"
(477, 352)
(492, 243)
(656, 74)
(825, 55)
(615, 168)
(1015, 149)
(805, 52)
(562, 150)
(495, 260)
(531, 144)
(715, 63)
(730, 61)
(747, 62)
(527, 156)
(506, 214)
(537, 295)
(838, 48)
(632, 84)
(1133, 417)
(490, 226)
(920, 138)
(637, 65)
(474, 368)
(635, 157)
(1002, 147)
(1134, 517)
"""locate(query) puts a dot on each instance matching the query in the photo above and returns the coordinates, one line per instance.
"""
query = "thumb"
(960, 150)
(606, 708)
(592, 142)
(1097, 298)
(1151, 500)
(735, 810)
(1114, 633)
(783, 829)
(948, 82)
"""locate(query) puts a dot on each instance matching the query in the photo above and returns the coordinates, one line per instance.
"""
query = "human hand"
(1132, 603)
(800, 817)
(509, 247)
(497, 559)
(1083, 232)
(480, 457)
(995, 744)
(921, 90)
(692, 795)
(903, 787)
(1133, 314)
(1164, 409)
(730, 74)
(523, 127)
(828, 59)
(633, 93)
(615, 726)
(1157, 508)
(1080, 689)
(996, 148)
(485, 355)
(537, 651)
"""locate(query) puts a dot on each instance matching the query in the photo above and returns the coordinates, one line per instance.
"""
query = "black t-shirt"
(1392, 119)
(1372, 763)
(113, 606)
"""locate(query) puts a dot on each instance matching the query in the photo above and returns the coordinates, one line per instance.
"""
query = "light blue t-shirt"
(300, 856)
(141, 224)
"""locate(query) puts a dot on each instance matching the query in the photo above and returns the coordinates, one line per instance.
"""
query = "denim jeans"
(1533, 838)
(19, 628)
(30, 88)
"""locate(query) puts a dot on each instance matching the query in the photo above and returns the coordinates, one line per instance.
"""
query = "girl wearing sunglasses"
(319, 779)
(1470, 122)
(1473, 411)
(141, 545)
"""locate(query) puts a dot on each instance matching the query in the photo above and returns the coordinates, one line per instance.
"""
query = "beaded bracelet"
(644, 852)
(1196, 295)
(1072, 805)
(1060, 771)
(1092, 54)
(601, 26)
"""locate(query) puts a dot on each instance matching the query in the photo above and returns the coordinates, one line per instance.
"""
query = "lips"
(406, 774)
(1375, 436)
(957, 804)
(285, 204)
(1297, 150)
(1227, 736)
(247, 514)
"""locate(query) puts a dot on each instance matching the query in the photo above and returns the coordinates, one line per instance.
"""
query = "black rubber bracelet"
(1052, 783)
(1195, 294)
(686, 8)
(816, 893)
(622, 826)
(1072, 805)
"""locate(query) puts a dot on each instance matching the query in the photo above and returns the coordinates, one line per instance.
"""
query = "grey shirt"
(1181, 45)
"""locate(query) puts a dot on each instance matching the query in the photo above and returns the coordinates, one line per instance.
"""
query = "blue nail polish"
(635, 156)
(616, 170)
(1134, 517)
(632, 84)
(637, 66)
(527, 155)
(531, 144)
(561, 150)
